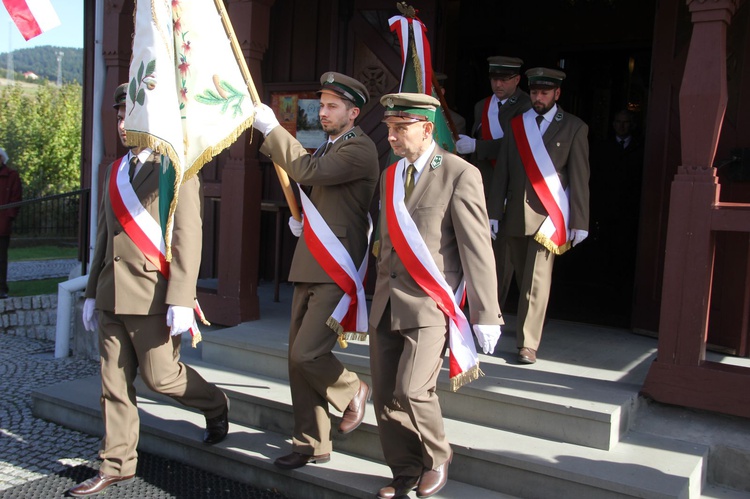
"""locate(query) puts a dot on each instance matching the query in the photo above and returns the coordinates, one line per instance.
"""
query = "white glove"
(487, 336)
(295, 226)
(578, 235)
(179, 319)
(265, 120)
(90, 319)
(465, 144)
(494, 225)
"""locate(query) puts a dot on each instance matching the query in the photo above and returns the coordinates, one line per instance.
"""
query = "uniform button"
(393, 275)
(117, 258)
(117, 232)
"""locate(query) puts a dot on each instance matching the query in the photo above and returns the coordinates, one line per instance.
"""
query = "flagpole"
(286, 186)
(444, 105)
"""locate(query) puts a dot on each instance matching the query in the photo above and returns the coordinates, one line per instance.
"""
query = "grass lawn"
(37, 287)
(41, 253)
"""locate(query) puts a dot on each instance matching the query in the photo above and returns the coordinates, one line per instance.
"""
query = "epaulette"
(348, 136)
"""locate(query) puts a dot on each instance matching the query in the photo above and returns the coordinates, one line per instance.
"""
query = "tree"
(41, 131)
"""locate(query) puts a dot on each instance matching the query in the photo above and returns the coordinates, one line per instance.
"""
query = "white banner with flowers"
(187, 98)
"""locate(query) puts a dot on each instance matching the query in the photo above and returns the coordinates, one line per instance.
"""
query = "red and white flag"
(32, 17)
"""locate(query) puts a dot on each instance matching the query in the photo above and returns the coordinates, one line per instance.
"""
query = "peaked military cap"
(345, 87)
(121, 93)
(501, 65)
(413, 106)
(544, 77)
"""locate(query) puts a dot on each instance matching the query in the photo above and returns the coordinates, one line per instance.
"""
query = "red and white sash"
(417, 259)
(349, 318)
(491, 128)
(553, 233)
(141, 227)
(400, 26)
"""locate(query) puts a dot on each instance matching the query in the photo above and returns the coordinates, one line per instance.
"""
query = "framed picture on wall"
(297, 112)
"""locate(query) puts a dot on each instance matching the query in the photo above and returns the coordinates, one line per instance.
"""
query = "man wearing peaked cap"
(433, 216)
(545, 212)
(492, 117)
(337, 184)
(140, 309)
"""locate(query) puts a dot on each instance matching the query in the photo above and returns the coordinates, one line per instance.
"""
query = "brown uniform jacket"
(448, 208)
(343, 182)
(486, 150)
(566, 141)
(121, 278)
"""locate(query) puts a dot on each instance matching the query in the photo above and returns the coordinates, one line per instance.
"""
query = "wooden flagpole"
(283, 177)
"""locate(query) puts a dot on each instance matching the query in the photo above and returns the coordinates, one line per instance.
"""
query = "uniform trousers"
(503, 267)
(132, 343)
(405, 365)
(533, 266)
(316, 377)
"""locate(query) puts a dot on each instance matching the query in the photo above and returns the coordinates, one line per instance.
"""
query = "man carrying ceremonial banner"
(435, 242)
(337, 183)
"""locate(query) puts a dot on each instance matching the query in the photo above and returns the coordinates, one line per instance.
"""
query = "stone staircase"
(516, 432)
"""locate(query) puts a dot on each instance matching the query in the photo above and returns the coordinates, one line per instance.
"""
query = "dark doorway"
(604, 46)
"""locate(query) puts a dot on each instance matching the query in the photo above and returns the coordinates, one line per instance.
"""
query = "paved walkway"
(39, 459)
(40, 269)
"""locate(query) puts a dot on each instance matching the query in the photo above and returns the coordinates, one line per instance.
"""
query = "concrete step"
(551, 405)
(246, 455)
(502, 461)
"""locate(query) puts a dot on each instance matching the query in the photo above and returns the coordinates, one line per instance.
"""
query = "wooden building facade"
(682, 67)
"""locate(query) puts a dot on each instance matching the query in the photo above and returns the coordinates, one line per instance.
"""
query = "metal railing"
(54, 219)
(50, 217)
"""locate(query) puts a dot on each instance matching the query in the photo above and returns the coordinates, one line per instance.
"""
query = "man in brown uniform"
(341, 177)
(444, 220)
(143, 310)
(492, 117)
(542, 178)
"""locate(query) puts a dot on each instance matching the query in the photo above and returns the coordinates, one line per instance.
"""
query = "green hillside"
(43, 62)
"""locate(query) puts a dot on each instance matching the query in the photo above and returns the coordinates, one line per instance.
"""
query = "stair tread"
(345, 473)
(643, 461)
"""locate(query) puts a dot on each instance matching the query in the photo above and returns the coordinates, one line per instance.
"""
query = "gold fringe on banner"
(465, 378)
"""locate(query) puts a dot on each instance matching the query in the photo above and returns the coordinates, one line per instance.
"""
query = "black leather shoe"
(296, 460)
(96, 484)
(355, 411)
(217, 428)
(400, 486)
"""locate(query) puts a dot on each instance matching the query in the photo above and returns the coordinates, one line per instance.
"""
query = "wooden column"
(236, 297)
(680, 375)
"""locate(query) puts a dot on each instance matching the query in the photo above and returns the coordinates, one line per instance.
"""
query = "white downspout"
(66, 291)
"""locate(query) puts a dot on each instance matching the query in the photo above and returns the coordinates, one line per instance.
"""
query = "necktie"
(539, 120)
(409, 184)
(622, 143)
(131, 168)
(325, 149)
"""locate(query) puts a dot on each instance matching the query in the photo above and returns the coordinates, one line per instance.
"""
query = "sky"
(68, 34)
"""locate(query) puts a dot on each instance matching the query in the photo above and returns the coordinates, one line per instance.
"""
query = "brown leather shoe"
(217, 428)
(96, 484)
(296, 460)
(526, 355)
(400, 486)
(355, 411)
(432, 481)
